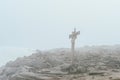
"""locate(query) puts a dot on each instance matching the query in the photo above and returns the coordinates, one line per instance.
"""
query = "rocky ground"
(90, 63)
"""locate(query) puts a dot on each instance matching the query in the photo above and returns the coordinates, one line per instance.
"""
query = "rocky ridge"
(56, 64)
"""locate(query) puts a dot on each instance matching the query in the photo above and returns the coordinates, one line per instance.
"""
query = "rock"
(54, 64)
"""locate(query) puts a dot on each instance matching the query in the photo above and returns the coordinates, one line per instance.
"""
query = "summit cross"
(73, 37)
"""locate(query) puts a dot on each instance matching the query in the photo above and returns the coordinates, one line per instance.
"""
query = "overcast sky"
(46, 24)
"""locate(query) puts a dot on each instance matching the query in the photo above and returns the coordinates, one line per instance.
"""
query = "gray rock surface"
(57, 63)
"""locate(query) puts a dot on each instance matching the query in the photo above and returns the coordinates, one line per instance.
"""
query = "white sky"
(46, 24)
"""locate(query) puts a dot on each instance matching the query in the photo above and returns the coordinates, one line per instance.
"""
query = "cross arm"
(78, 33)
(70, 36)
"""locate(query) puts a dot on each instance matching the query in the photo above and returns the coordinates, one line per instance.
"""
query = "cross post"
(73, 37)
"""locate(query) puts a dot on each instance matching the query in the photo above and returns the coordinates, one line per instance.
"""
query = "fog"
(46, 24)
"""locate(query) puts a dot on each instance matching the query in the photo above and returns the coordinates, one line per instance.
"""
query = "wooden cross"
(73, 37)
